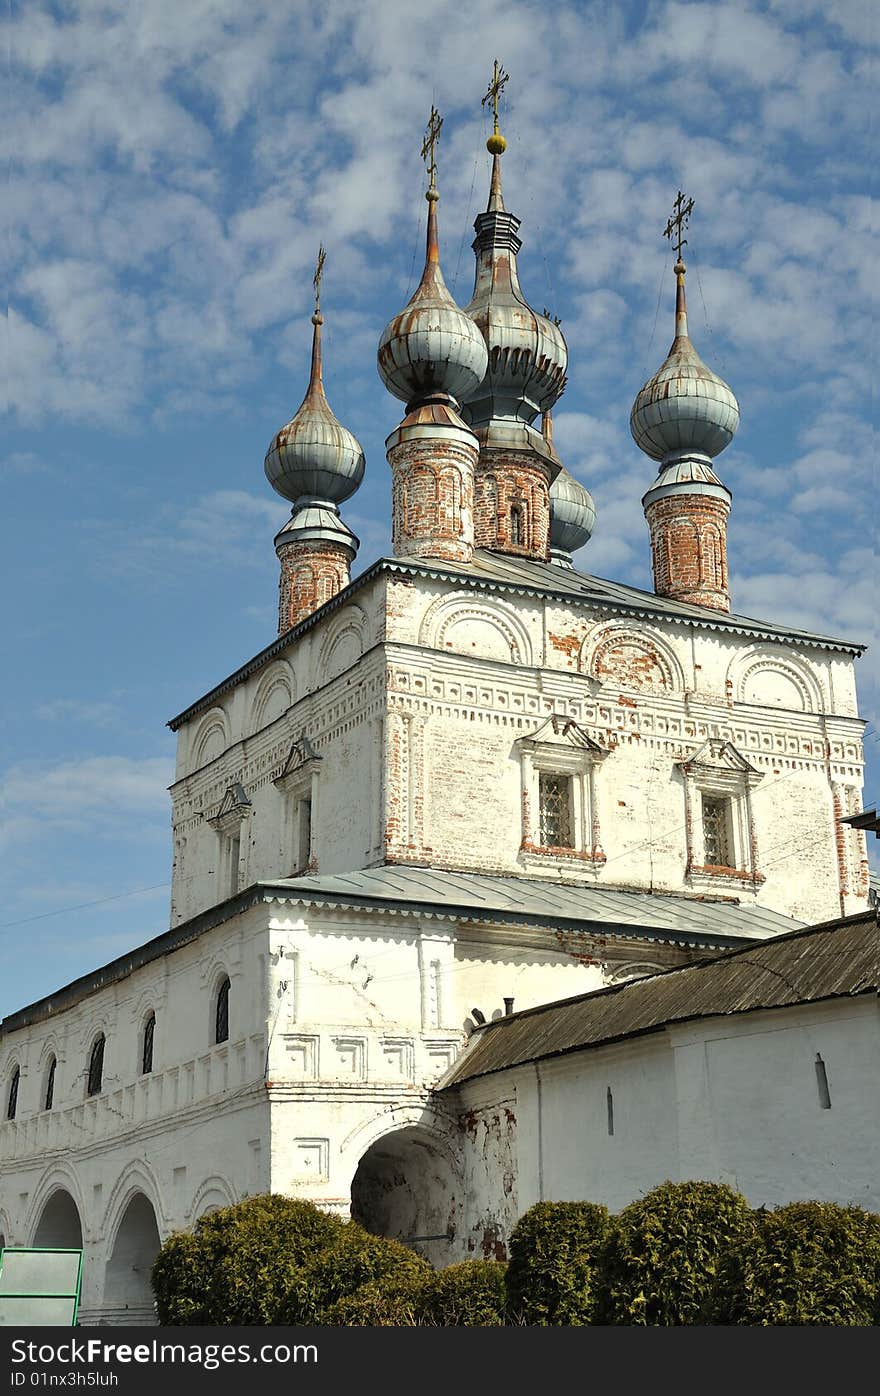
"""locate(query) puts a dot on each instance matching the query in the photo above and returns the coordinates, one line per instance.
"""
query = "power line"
(83, 906)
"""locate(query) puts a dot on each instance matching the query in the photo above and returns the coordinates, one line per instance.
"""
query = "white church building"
(471, 781)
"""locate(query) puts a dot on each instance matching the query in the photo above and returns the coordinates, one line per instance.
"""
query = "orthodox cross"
(678, 222)
(499, 79)
(316, 279)
(435, 121)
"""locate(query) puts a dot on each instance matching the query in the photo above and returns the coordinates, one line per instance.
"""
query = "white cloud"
(101, 793)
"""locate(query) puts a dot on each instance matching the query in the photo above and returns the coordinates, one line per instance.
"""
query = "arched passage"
(59, 1223)
(405, 1187)
(127, 1280)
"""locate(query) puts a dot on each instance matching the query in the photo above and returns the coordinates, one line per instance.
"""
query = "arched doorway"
(406, 1188)
(127, 1288)
(59, 1223)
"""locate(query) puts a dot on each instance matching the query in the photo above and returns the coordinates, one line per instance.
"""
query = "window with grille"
(50, 1085)
(96, 1066)
(516, 526)
(12, 1100)
(717, 848)
(554, 797)
(221, 1020)
(147, 1055)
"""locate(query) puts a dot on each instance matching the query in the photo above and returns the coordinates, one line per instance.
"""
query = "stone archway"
(128, 1293)
(406, 1188)
(59, 1225)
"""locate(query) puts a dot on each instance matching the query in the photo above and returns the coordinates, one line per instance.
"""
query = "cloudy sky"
(173, 170)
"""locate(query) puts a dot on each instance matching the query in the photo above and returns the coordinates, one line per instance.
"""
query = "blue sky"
(174, 169)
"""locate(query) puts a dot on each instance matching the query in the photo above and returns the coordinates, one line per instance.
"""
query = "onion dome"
(431, 347)
(572, 517)
(685, 408)
(528, 356)
(315, 456)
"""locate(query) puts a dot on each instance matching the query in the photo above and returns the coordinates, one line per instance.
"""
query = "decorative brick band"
(689, 548)
(433, 498)
(311, 573)
(512, 504)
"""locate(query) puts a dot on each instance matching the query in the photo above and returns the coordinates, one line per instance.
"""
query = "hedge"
(554, 1253)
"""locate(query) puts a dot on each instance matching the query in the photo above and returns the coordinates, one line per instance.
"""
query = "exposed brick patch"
(311, 573)
(433, 498)
(689, 549)
(512, 504)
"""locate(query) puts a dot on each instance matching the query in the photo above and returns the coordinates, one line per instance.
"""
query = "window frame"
(13, 1093)
(95, 1072)
(148, 1038)
(221, 1002)
(49, 1087)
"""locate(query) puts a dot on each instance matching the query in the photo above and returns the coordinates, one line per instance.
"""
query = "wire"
(82, 906)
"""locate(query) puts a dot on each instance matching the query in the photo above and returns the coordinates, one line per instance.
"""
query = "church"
(466, 782)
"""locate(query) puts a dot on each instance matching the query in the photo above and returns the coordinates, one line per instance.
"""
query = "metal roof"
(429, 892)
(533, 901)
(839, 959)
(494, 572)
(868, 819)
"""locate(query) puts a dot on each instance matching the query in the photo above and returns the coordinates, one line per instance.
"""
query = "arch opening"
(59, 1225)
(127, 1279)
(406, 1189)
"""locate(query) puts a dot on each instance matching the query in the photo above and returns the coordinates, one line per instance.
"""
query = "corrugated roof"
(465, 897)
(480, 896)
(835, 960)
(492, 572)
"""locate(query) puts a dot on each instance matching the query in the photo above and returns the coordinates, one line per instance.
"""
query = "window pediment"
(562, 737)
(719, 761)
(232, 809)
(301, 762)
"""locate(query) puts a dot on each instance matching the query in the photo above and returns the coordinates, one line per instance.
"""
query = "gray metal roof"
(836, 960)
(431, 892)
(494, 572)
(482, 897)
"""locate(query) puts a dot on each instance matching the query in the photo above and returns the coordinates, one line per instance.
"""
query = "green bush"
(356, 1258)
(471, 1294)
(554, 1252)
(806, 1263)
(240, 1263)
(663, 1254)
(379, 1304)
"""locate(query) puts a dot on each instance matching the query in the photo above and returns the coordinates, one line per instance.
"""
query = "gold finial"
(496, 144)
(677, 224)
(316, 279)
(432, 133)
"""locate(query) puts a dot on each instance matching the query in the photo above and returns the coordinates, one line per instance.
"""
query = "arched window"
(50, 1085)
(12, 1098)
(96, 1066)
(221, 1019)
(147, 1053)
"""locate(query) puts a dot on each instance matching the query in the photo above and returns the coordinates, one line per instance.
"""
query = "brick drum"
(433, 498)
(512, 504)
(689, 549)
(311, 573)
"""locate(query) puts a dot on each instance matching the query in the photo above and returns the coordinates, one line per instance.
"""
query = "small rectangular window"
(717, 844)
(304, 835)
(234, 859)
(554, 796)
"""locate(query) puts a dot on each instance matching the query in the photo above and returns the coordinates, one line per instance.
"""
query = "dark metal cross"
(496, 86)
(435, 121)
(678, 222)
(319, 272)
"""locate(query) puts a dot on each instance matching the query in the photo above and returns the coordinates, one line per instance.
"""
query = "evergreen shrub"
(554, 1253)
(471, 1294)
(664, 1252)
(356, 1258)
(805, 1263)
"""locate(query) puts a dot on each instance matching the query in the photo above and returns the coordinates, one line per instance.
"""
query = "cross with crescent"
(499, 79)
(678, 222)
(435, 121)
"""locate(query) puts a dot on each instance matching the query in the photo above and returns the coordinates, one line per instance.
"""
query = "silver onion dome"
(685, 407)
(314, 455)
(431, 346)
(528, 356)
(572, 517)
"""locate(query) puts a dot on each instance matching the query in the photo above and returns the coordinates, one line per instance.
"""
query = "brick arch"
(276, 692)
(343, 644)
(211, 738)
(621, 655)
(447, 612)
(137, 1177)
(756, 668)
(211, 1194)
(421, 499)
(58, 1177)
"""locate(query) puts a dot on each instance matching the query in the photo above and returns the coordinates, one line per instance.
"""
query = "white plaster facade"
(407, 723)
(728, 1099)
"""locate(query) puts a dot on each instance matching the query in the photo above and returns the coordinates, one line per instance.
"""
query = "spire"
(316, 381)
(496, 144)
(431, 347)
